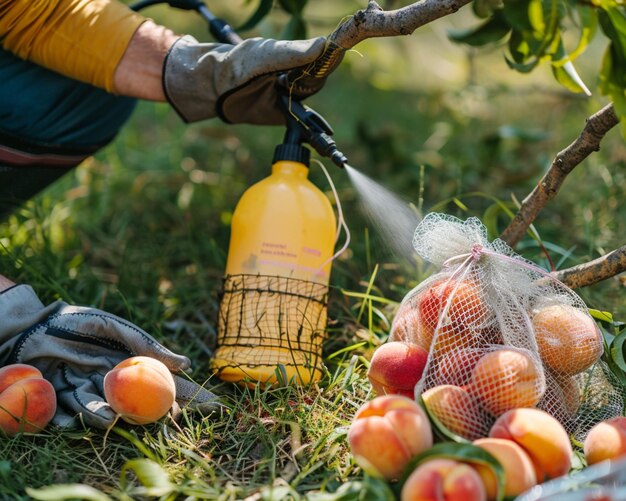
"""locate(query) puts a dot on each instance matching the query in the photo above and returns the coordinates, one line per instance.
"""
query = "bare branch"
(370, 22)
(375, 22)
(594, 271)
(565, 161)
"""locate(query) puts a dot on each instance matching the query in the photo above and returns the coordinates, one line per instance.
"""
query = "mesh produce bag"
(501, 334)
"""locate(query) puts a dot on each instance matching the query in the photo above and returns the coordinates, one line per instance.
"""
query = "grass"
(141, 231)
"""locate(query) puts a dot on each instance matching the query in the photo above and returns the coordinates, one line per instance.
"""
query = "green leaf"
(485, 8)
(536, 16)
(150, 474)
(566, 74)
(603, 316)
(265, 6)
(588, 19)
(439, 429)
(523, 47)
(467, 453)
(522, 67)
(490, 220)
(62, 492)
(516, 14)
(460, 204)
(617, 351)
(491, 31)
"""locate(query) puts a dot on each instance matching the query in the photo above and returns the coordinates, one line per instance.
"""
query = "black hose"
(142, 4)
(178, 4)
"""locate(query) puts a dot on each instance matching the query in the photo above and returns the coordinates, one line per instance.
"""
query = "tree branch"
(594, 271)
(376, 22)
(370, 22)
(565, 161)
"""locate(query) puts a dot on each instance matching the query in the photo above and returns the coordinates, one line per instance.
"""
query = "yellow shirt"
(81, 39)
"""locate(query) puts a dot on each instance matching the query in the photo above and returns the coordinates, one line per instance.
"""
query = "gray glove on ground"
(74, 347)
(235, 82)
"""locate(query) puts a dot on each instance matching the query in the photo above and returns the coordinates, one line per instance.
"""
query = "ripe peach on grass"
(27, 401)
(507, 379)
(606, 440)
(541, 436)
(387, 432)
(396, 367)
(140, 389)
(569, 340)
(457, 410)
(443, 479)
(519, 471)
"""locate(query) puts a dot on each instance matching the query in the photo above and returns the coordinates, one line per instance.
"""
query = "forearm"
(81, 39)
(139, 73)
(5, 283)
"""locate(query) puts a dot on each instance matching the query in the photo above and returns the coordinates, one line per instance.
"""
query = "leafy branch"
(533, 33)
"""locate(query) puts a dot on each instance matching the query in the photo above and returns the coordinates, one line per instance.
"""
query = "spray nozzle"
(305, 125)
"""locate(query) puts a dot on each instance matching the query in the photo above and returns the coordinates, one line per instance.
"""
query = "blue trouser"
(48, 125)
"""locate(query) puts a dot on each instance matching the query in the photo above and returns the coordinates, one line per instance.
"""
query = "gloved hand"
(235, 82)
(74, 347)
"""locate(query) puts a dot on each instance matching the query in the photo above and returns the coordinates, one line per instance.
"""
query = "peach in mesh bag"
(501, 334)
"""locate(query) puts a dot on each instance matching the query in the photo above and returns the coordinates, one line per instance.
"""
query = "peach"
(396, 367)
(457, 410)
(140, 389)
(443, 479)
(606, 440)
(541, 436)
(569, 340)
(463, 300)
(407, 327)
(506, 379)
(519, 471)
(491, 335)
(387, 432)
(456, 367)
(27, 401)
(562, 398)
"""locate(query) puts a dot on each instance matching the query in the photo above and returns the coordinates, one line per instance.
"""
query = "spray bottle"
(272, 315)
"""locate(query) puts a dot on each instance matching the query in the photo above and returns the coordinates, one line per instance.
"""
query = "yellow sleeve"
(81, 39)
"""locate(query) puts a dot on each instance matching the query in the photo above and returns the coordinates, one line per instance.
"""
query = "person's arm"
(82, 39)
(139, 73)
(105, 44)
(5, 283)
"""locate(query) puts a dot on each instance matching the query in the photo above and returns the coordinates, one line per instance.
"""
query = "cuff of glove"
(20, 308)
(193, 101)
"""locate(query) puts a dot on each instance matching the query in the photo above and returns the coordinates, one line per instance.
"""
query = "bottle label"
(274, 258)
(272, 249)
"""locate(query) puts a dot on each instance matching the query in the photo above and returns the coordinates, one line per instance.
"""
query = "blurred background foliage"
(142, 228)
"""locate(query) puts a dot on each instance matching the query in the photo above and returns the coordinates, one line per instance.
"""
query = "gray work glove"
(74, 347)
(235, 82)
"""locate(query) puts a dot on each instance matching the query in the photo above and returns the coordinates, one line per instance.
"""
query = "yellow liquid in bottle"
(273, 310)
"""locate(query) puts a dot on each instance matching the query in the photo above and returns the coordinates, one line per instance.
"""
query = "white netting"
(501, 334)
